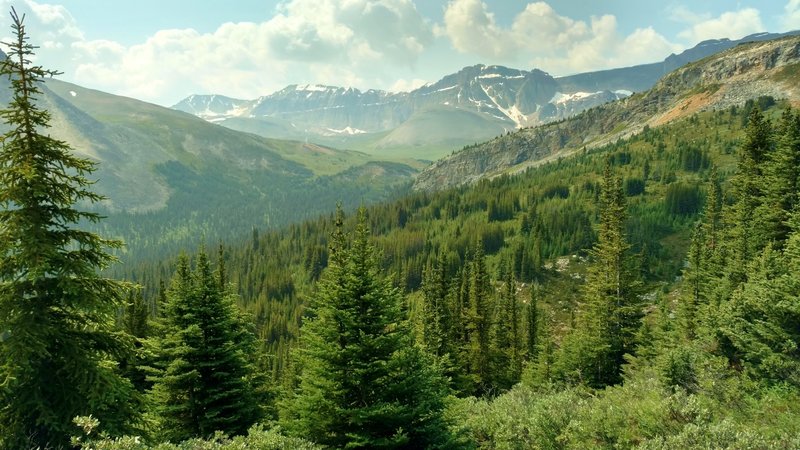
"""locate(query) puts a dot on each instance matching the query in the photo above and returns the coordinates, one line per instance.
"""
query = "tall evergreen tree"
(749, 231)
(539, 369)
(755, 324)
(782, 179)
(759, 326)
(712, 215)
(136, 315)
(606, 328)
(58, 358)
(506, 343)
(532, 324)
(136, 322)
(695, 281)
(458, 335)
(363, 384)
(436, 315)
(207, 380)
(479, 322)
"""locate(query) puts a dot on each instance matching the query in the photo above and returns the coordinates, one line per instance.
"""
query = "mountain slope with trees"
(613, 350)
(767, 68)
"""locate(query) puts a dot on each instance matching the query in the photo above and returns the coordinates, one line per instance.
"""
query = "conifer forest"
(643, 293)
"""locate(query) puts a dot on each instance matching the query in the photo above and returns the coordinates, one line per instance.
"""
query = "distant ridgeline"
(472, 105)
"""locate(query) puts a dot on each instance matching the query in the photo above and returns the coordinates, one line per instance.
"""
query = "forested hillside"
(170, 178)
(538, 225)
(507, 286)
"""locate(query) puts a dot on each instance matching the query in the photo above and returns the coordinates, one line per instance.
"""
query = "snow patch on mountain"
(311, 88)
(350, 131)
(561, 97)
(511, 112)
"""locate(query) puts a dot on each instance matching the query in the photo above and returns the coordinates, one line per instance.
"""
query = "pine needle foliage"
(594, 352)
(363, 382)
(60, 350)
(208, 381)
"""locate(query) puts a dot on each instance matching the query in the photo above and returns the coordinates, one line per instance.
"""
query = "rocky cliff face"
(744, 72)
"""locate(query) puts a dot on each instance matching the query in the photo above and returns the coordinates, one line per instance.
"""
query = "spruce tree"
(363, 383)
(594, 352)
(712, 215)
(506, 359)
(782, 179)
(539, 368)
(479, 321)
(458, 336)
(436, 315)
(135, 319)
(695, 282)
(532, 324)
(207, 355)
(759, 326)
(749, 231)
(756, 323)
(58, 358)
(136, 322)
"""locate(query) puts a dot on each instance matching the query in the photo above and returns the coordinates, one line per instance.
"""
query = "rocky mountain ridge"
(747, 71)
(502, 98)
(518, 97)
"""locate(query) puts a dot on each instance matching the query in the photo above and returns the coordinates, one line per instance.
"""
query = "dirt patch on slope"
(684, 108)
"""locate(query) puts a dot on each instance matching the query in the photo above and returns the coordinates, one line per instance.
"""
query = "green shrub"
(523, 418)
(723, 435)
(257, 438)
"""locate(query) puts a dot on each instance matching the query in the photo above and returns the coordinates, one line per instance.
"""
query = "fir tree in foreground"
(207, 381)
(363, 382)
(58, 349)
(593, 353)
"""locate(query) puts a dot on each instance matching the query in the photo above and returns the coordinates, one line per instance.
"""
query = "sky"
(161, 51)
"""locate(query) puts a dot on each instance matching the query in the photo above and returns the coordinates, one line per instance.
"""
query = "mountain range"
(748, 71)
(474, 104)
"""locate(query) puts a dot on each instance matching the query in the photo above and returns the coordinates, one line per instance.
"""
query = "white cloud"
(53, 26)
(403, 85)
(731, 24)
(472, 29)
(328, 29)
(342, 42)
(540, 37)
(682, 14)
(791, 17)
